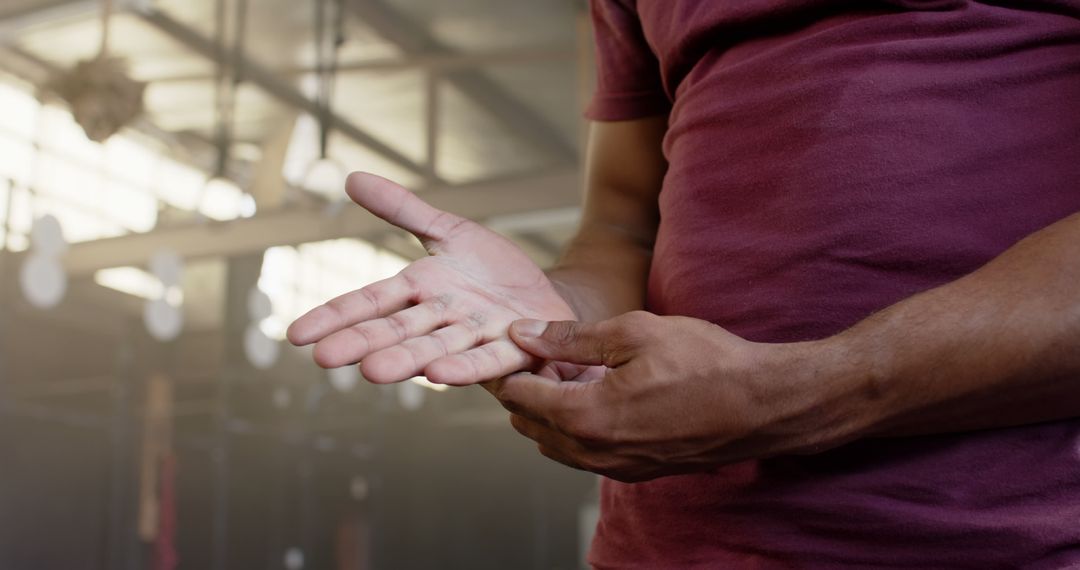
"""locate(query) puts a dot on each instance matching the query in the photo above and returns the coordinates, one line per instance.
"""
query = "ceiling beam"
(14, 21)
(273, 85)
(413, 39)
(432, 62)
(303, 224)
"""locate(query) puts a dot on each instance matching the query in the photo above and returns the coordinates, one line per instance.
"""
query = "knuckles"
(638, 319)
(585, 457)
(585, 429)
(517, 422)
(554, 455)
(561, 333)
(640, 326)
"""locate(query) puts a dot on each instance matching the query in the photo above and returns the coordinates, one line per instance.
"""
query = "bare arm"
(604, 269)
(997, 348)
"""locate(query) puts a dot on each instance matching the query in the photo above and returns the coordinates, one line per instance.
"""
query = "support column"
(242, 274)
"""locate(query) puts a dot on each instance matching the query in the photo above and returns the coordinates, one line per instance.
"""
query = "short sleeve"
(628, 80)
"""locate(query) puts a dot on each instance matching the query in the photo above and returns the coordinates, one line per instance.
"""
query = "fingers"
(354, 343)
(549, 443)
(487, 362)
(400, 207)
(411, 357)
(379, 299)
(610, 343)
(557, 404)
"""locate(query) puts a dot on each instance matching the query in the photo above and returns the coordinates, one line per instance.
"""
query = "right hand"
(445, 316)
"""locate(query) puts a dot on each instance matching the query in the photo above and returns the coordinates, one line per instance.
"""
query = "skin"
(656, 396)
(998, 348)
(681, 395)
(604, 270)
(446, 316)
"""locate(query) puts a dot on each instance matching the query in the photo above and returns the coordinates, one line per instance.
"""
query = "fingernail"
(529, 328)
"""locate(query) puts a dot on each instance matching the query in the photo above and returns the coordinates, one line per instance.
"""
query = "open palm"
(444, 316)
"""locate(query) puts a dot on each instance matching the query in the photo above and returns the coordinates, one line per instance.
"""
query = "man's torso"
(824, 164)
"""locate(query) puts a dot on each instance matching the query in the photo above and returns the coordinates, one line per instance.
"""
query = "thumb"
(394, 204)
(609, 343)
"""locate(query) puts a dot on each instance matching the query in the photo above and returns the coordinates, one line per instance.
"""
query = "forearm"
(603, 272)
(1000, 347)
(605, 268)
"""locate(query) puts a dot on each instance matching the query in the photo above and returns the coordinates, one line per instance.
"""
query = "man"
(852, 226)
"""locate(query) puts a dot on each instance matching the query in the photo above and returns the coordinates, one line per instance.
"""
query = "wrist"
(589, 296)
(859, 385)
(569, 294)
(832, 395)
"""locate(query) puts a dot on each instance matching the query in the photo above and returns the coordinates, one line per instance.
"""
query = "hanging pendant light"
(221, 198)
(261, 350)
(326, 175)
(102, 97)
(163, 315)
(42, 277)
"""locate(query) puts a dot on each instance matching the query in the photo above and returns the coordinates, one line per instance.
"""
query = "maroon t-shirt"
(827, 159)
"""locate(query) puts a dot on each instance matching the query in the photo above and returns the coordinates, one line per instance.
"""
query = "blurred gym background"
(171, 178)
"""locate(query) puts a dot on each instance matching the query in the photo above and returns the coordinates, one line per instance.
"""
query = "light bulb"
(325, 176)
(221, 199)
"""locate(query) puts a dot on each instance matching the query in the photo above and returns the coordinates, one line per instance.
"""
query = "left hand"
(444, 316)
(681, 395)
